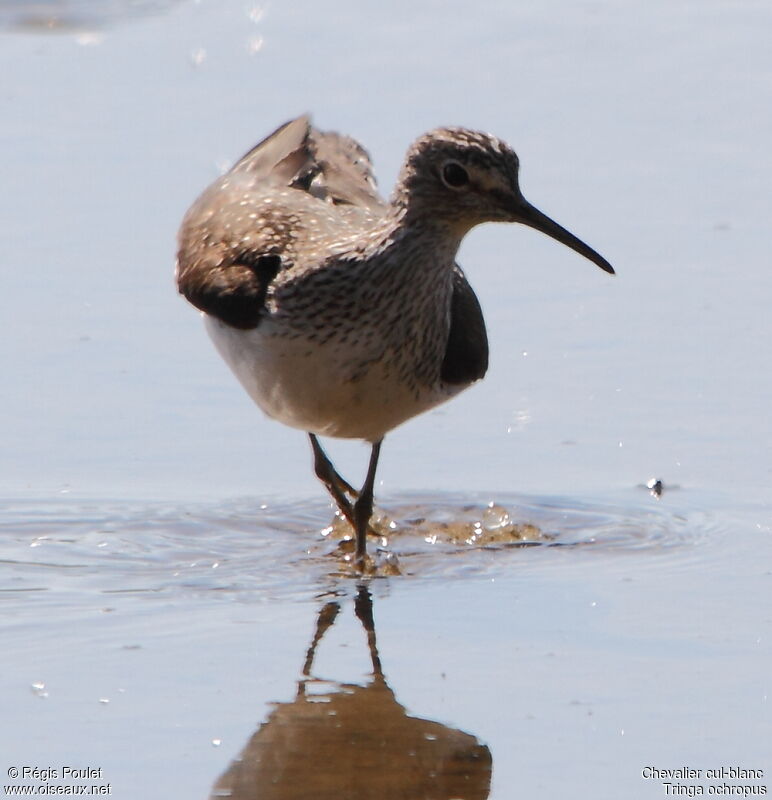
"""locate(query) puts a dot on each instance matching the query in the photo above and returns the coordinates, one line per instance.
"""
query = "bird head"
(461, 178)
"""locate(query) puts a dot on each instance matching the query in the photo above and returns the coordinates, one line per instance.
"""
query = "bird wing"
(327, 165)
(466, 353)
(249, 225)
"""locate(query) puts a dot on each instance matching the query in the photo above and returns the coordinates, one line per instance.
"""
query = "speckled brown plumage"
(340, 313)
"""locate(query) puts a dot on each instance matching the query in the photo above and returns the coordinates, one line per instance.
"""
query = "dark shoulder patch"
(233, 292)
(466, 353)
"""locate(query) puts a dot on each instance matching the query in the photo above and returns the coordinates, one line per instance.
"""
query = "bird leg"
(336, 486)
(358, 515)
(363, 507)
(329, 476)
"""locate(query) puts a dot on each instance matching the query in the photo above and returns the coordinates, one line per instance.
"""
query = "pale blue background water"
(642, 127)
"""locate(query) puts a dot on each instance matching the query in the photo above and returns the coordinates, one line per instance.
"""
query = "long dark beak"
(531, 216)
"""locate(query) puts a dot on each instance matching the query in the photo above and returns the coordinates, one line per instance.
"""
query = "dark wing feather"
(466, 354)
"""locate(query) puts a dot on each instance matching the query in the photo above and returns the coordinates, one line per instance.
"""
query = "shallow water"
(215, 546)
(186, 629)
(543, 626)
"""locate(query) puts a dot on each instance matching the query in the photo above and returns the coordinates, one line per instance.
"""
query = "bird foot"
(383, 563)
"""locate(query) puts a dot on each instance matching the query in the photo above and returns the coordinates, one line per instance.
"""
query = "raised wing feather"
(245, 228)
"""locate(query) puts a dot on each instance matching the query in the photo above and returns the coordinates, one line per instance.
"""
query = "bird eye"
(454, 175)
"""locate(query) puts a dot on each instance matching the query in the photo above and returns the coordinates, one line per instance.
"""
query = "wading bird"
(341, 314)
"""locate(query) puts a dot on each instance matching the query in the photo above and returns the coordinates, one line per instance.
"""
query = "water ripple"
(245, 547)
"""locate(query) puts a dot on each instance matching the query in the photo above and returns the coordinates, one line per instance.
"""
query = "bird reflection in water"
(347, 742)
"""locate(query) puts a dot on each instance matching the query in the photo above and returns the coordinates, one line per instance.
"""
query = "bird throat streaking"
(341, 314)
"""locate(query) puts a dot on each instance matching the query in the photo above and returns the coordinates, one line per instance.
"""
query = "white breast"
(316, 387)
